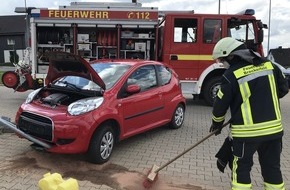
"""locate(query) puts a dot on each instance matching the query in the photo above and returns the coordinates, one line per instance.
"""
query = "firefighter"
(251, 88)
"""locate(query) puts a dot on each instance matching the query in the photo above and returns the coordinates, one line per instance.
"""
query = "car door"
(142, 110)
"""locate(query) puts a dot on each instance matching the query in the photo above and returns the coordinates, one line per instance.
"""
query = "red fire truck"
(183, 39)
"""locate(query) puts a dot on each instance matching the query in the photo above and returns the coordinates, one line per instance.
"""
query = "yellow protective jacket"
(252, 93)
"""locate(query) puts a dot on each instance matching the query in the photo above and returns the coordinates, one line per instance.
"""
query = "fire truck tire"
(210, 90)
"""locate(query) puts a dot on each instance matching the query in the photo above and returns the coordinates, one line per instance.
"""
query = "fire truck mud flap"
(13, 127)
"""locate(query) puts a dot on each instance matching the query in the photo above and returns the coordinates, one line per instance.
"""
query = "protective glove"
(214, 127)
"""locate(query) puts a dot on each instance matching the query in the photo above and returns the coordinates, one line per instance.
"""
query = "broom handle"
(188, 149)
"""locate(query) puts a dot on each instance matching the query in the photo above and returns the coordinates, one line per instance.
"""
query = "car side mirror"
(133, 89)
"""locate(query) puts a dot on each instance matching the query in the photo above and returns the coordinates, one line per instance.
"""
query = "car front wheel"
(101, 145)
(178, 117)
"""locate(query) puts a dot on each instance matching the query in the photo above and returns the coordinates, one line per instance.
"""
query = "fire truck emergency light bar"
(247, 12)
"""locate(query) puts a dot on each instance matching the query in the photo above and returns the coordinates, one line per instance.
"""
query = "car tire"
(210, 90)
(177, 117)
(101, 145)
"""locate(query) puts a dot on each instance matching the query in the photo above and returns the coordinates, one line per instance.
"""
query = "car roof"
(131, 62)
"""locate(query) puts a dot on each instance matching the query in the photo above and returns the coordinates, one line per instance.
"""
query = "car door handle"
(160, 95)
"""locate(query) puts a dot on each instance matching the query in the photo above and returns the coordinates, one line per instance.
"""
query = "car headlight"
(84, 105)
(31, 96)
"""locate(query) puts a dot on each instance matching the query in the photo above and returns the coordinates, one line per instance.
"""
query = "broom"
(153, 173)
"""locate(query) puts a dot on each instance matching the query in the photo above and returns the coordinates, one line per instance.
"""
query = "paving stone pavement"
(21, 167)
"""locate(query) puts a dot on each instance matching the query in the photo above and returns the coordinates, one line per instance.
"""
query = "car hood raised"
(66, 64)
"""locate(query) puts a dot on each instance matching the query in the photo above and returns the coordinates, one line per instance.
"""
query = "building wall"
(13, 28)
(281, 56)
(5, 48)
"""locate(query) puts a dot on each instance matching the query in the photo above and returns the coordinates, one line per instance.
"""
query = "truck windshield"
(243, 30)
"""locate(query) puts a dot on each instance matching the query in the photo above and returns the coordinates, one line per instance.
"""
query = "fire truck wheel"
(10, 79)
(210, 90)
(102, 144)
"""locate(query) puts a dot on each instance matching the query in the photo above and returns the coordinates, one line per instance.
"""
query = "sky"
(276, 14)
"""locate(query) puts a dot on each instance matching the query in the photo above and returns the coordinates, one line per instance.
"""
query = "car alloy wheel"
(178, 117)
(107, 145)
(102, 144)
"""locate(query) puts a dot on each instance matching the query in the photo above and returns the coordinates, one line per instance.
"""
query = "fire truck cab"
(187, 41)
(183, 39)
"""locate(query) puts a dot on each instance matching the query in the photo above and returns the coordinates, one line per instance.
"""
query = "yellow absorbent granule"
(70, 184)
(56, 182)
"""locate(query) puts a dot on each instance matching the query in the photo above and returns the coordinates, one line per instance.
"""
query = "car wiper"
(70, 85)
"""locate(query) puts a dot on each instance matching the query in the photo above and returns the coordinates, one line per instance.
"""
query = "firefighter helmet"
(224, 47)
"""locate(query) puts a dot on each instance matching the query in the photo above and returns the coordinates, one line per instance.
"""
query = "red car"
(88, 107)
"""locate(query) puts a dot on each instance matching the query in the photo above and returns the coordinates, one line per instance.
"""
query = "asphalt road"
(10, 101)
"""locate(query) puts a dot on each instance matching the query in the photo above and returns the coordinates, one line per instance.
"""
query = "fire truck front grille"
(36, 125)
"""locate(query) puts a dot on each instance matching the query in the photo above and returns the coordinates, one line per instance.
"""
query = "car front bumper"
(65, 133)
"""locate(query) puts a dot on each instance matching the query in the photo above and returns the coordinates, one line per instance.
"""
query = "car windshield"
(110, 73)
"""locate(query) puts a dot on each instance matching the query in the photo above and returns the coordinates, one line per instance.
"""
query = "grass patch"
(1, 73)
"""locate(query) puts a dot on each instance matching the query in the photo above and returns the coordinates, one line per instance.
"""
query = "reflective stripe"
(234, 173)
(235, 184)
(189, 57)
(274, 96)
(269, 186)
(249, 133)
(241, 186)
(245, 106)
(220, 94)
(254, 76)
(257, 126)
(218, 119)
(259, 129)
(251, 69)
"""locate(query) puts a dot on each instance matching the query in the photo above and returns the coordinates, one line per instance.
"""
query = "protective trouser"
(269, 157)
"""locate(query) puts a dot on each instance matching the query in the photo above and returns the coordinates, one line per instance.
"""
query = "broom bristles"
(153, 172)
(151, 177)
